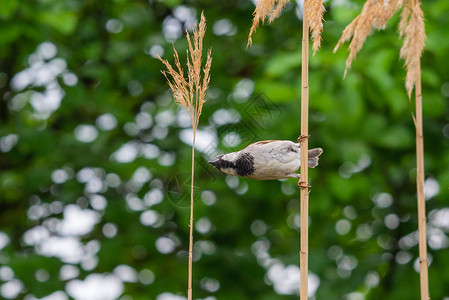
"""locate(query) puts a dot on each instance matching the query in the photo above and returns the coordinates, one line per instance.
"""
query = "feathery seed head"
(265, 9)
(375, 14)
(314, 11)
(411, 28)
(190, 92)
(271, 9)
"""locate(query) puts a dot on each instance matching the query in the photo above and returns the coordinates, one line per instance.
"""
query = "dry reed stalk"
(313, 11)
(423, 265)
(375, 14)
(312, 19)
(271, 9)
(190, 93)
(304, 171)
(411, 27)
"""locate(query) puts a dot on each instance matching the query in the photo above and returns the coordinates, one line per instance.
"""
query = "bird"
(266, 160)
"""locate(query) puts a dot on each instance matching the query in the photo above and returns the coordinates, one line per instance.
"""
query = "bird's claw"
(303, 185)
(303, 137)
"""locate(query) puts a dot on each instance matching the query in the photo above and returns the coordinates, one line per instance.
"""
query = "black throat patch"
(244, 165)
(224, 164)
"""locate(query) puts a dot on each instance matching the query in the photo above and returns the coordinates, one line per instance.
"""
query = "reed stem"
(421, 202)
(423, 266)
(304, 192)
(189, 290)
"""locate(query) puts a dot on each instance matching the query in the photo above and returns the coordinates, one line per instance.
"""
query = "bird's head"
(216, 161)
(224, 163)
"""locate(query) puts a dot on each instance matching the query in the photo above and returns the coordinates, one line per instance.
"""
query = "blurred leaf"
(277, 91)
(8, 8)
(63, 21)
(398, 137)
(10, 33)
(281, 63)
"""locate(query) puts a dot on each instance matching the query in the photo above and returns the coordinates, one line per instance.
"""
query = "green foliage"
(116, 135)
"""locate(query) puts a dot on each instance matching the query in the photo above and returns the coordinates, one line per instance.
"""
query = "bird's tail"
(314, 156)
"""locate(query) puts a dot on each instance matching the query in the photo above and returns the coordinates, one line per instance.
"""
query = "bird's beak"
(216, 160)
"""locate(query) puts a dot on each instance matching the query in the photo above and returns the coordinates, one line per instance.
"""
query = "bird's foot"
(293, 175)
(303, 185)
(303, 137)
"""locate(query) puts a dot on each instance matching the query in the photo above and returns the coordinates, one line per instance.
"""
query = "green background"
(97, 58)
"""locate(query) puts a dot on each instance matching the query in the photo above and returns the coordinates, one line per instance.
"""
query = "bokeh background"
(95, 156)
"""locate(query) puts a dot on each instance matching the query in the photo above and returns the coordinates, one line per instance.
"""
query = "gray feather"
(313, 157)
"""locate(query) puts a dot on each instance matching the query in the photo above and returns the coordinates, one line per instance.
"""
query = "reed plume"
(190, 93)
(411, 28)
(375, 14)
(265, 9)
(314, 11)
(271, 9)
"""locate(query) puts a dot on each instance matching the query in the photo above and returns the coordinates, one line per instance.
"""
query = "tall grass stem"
(190, 93)
(304, 192)
(189, 290)
(423, 264)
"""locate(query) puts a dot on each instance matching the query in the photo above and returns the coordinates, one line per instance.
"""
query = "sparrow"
(266, 160)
